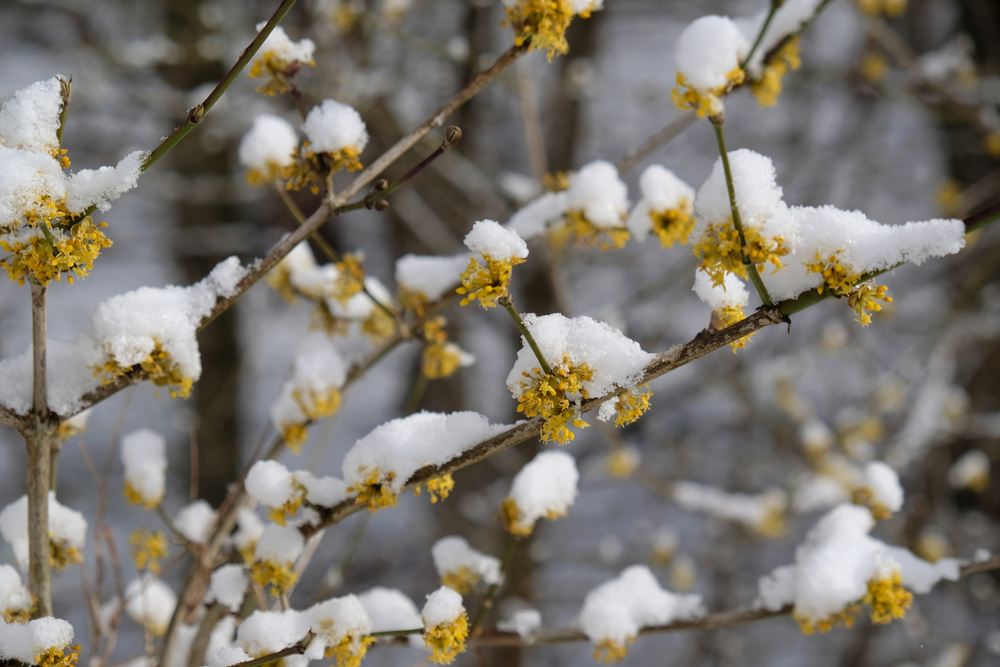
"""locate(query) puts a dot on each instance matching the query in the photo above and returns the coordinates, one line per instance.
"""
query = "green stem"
(416, 394)
(760, 36)
(492, 591)
(396, 633)
(508, 303)
(751, 267)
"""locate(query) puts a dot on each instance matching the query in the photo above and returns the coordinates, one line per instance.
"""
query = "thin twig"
(658, 140)
(491, 592)
(760, 35)
(297, 648)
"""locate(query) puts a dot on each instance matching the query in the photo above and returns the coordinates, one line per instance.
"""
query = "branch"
(658, 140)
(298, 648)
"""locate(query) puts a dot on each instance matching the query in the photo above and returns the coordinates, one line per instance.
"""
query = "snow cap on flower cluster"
(883, 483)
(283, 47)
(489, 238)
(598, 191)
(453, 553)
(70, 376)
(29, 121)
(390, 609)
(402, 446)
(130, 325)
(443, 606)
(270, 141)
(144, 457)
(859, 245)
(227, 656)
(523, 621)
(249, 528)
(150, 602)
(319, 371)
(758, 197)
(708, 50)
(266, 632)
(787, 20)
(332, 127)
(360, 306)
(731, 294)
(546, 486)
(99, 187)
(14, 597)
(270, 483)
(26, 642)
(67, 527)
(617, 361)
(753, 511)
(430, 275)
(334, 619)
(617, 610)
(531, 220)
(195, 521)
(835, 562)
(279, 544)
(972, 470)
(661, 191)
(228, 586)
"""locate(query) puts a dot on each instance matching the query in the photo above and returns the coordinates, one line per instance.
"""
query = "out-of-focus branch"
(658, 140)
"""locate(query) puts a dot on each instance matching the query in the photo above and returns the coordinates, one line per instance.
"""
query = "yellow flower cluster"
(50, 253)
(22, 616)
(148, 548)
(768, 87)
(549, 394)
(705, 102)
(311, 168)
(487, 282)
(56, 657)
(866, 498)
(609, 652)
(375, 491)
(873, 67)
(447, 640)
(835, 277)
(279, 576)
(159, 368)
(350, 651)
(272, 66)
(350, 277)
(865, 298)
(440, 359)
(890, 8)
(135, 498)
(314, 405)
(631, 405)
(67, 430)
(673, 225)
(720, 252)
(510, 515)
(440, 487)
(462, 580)
(887, 598)
(278, 514)
(542, 24)
(272, 172)
(844, 617)
(585, 234)
(727, 317)
(556, 181)
(62, 554)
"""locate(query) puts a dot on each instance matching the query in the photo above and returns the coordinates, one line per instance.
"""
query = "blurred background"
(895, 116)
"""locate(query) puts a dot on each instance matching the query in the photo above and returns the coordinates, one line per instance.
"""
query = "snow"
(390, 609)
(228, 656)
(14, 597)
(266, 632)
(279, 544)
(491, 240)
(271, 141)
(883, 482)
(228, 586)
(270, 483)
(599, 193)
(284, 48)
(544, 487)
(100, 187)
(815, 436)
(24, 179)
(337, 618)
(249, 529)
(731, 294)
(523, 621)
(319, 372)
(972, 470)
(144, 457)
(835, 562)
(818, 492)
(531, 221)
(431, 276)
(66, 527)
(322, 491)
(150, 602)
(443, 606)
(453, 553)
(708, 50)
(70, 376)
(29, 121)
(332, 127)
(661, 191)
(195, 521)
(758, 197)
(617, 361)
(400, 447)
(28, 641)
(752, 511)
(617, 610)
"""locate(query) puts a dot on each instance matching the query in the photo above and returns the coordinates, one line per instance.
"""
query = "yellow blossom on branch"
(375, 491)
(704, 102)
(542, 24)
(609, 652)
(160, 369)
(279, 576)
(56, 657)
(720, 252)
(439, 488)
(631, 405)
(727, 317)
(487, 282)
(350, 651)
(786, 59)
(447, 640)
(865, 299)
(551, 395)
(148, 548)
(844, 617)
(44, 254)
(585, 234)
(673, 225)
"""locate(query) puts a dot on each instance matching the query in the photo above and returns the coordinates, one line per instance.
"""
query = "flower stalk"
(508, 303)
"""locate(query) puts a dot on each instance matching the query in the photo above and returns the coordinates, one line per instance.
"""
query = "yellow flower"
(378, 326)
(413, 301)
(866, 498)
(768, 87)
(294, 435)
(673, 225)
(447, 640)
(487, 282)
(62, 554)
(53, 251)
(550, 395)
(890, 8)
(462, 580)
(622, 462)
(513, 523)
(727, 317)
(608, 652)
(704, 102)
(844, 617)
(271, 172)
(350, 651)
(276, 69)
(586, 234)
(160, 370)
(720, 252)
(279, 576)
(148, 548)
(278, 514)
(887, 598)
(311, 168)
(135, 498)
(375, 491)
(55, 657)
(631, 405)
(440, 358)
(542, 23)
(555, 181)
(440, 487)
(67, 430)
(873, 67)
(835, 277)
(350, 277)
(864, 299)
